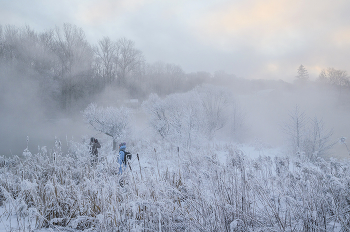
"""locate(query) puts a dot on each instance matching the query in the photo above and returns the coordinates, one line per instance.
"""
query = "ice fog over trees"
(51, 76)
(211, 151)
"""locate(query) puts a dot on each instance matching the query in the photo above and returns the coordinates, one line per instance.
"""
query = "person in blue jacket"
(123, 156)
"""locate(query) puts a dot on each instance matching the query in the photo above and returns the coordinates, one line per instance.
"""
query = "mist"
(45, 90)
(269, 110)
(28, 118)
(229, 115)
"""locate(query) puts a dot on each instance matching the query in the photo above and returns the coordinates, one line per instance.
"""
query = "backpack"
(127, 155)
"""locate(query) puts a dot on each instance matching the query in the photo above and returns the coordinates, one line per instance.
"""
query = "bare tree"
(11, 43)
(215, 101)
(75, 62)
(106, 52)
(73, 50)
(308, 135)
(295, 128)
(128, 59)
(320, 137)
(337, 78)
(163, 78)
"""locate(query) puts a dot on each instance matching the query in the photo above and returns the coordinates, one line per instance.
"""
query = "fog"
(236, 114)
(26, 115)
(269, 111)
(44, 90)
(252, 39)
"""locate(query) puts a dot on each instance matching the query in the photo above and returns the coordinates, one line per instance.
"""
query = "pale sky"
(252, 38)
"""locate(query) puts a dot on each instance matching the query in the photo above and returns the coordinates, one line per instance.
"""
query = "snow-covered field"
(220, 187)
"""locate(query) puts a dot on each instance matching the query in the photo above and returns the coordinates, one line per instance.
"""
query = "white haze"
(265, 107)
(227, 107)
(252, 39)
(40, 102)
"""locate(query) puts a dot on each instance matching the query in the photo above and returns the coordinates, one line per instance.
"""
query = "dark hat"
(122, 144)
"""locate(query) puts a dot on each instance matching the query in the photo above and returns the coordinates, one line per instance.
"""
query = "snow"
(10, 221)
(253, 152)
(156, 160)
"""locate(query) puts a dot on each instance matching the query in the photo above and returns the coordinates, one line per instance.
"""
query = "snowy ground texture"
(221, 187)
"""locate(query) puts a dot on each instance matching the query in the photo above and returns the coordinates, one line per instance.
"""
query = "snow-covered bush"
(191, 118)
(307, 136)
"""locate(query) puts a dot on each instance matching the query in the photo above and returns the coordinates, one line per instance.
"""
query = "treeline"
(331, 76)
(69, 71)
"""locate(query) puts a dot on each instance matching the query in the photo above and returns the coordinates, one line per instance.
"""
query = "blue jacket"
(122, 165)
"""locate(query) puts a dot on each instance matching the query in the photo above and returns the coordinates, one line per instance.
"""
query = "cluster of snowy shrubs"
(187, 119)
(172, 189)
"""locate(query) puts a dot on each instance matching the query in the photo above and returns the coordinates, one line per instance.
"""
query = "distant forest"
(49, 78)
(67, 71)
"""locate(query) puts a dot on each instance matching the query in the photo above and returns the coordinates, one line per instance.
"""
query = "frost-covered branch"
(111, 121)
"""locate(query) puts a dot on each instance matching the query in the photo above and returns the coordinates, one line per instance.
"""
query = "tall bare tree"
(73, 50)
(75, 62)
(11, 42)
(128, 59)
(295, 128)
(106, 52)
